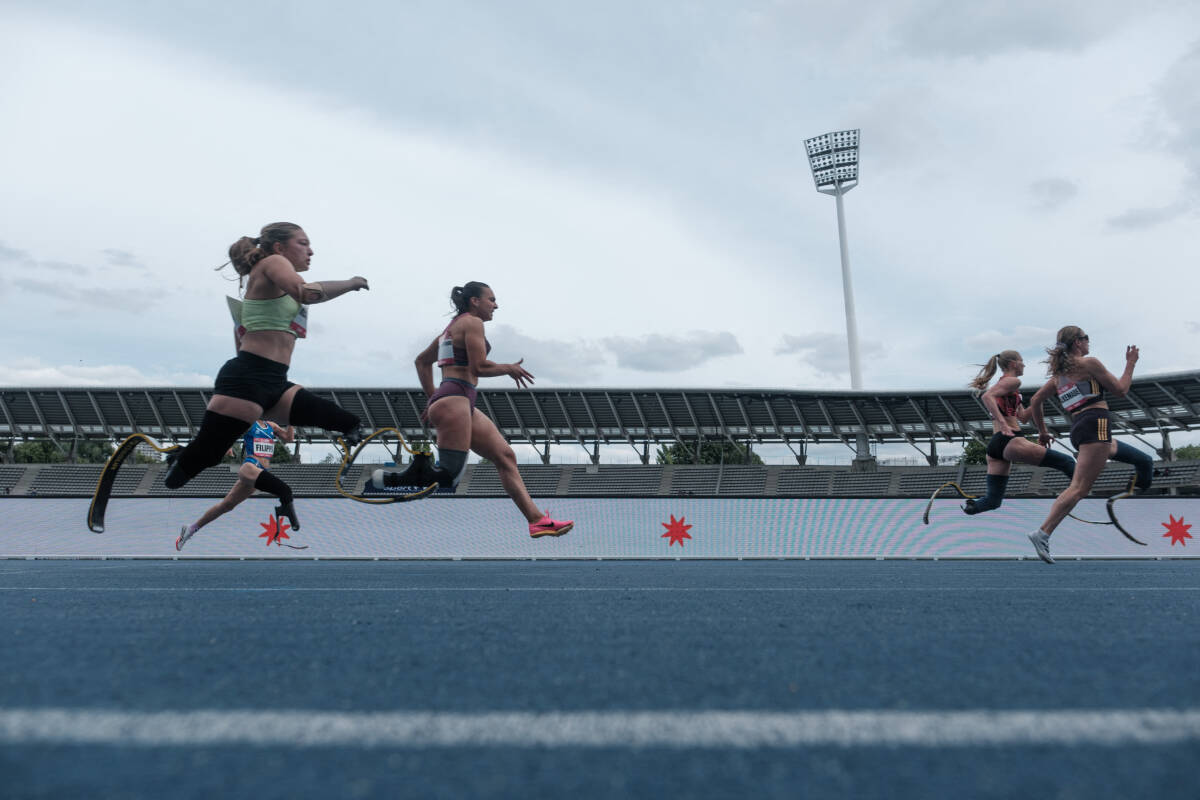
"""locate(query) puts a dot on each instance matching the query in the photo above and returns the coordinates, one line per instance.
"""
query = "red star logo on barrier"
(1176, 531)
(274, 530)
(676, 531)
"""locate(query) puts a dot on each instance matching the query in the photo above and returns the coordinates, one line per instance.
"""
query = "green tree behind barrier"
(712, 451)
(44, 451)
(974, 452)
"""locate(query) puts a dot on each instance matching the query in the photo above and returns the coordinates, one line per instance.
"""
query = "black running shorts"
(1090, 426)
(997, 443)
(254, 378)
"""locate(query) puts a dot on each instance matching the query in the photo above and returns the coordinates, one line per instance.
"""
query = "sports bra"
(1074, 394)
(1009, 404)
(451, 356)
(281, 313)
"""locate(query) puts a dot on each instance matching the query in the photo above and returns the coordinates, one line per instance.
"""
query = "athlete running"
(258, 448)
(461, 351)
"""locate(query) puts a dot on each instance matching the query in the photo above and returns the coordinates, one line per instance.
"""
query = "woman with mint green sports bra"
(272, 315)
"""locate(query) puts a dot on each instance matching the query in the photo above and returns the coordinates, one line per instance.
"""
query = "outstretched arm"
(284, 275)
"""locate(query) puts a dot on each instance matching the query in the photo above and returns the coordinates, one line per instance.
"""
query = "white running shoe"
(1041, 543)
(183, 537)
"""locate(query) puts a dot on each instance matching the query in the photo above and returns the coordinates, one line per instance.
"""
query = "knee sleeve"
(1059, 461)
(996, 484)
(315, 412)
(1143, 464)
(272, 485)
(217, 432)
(450, 466)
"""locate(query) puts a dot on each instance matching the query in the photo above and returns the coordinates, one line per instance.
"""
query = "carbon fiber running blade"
(1117, 523)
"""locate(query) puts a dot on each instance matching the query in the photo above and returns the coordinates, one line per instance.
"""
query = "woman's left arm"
(1117, 386)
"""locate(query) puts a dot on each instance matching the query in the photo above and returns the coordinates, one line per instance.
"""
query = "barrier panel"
(604, 528)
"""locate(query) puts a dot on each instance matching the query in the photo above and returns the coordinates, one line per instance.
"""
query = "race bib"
(299, 325)
(1071, 396)
(264, 447)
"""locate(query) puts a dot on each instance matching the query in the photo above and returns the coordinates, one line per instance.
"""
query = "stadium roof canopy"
(639, 417)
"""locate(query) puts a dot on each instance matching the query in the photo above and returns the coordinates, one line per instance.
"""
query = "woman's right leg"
(241, 490)
(487, 442)
(225, 420)
(1092, 458)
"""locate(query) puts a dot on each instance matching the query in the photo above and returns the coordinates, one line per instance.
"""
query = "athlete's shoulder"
(467, 323)
(1007, 384)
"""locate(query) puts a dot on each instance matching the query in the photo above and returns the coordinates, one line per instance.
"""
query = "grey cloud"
(1051, 193)
(1137, 219)
(827, 353)
(63, 266)
(123, 258)
(546, 358)
(657, 353)
(25, 260)
(1180, 105)
(112, 299)
(948, 28)
(13, 255)
(1018, 338)
(1192, 327)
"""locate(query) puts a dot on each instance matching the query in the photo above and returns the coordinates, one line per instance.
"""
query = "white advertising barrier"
(604, 528)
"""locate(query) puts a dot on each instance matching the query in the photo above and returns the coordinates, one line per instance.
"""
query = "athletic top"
(1009, 404)
(451, 356)
(1074, 394)
(259, 442)
(281, 313)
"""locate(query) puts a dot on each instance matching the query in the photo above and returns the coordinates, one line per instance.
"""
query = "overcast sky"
(630, 178)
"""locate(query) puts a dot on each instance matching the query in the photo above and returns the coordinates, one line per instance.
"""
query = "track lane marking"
(611, 729)
(598, 589)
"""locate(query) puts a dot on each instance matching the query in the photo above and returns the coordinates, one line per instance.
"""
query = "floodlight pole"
(848, 297)
(833, 158)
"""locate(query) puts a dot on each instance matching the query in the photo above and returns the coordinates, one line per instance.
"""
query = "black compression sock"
(1059, 461)
(996, 484)
(316, 412)
(217, 432)
(1143, 464)
(273, 485)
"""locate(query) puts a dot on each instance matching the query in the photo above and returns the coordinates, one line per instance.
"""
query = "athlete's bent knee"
(217, 432)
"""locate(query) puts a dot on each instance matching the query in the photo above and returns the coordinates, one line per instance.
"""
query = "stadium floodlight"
(833, 158)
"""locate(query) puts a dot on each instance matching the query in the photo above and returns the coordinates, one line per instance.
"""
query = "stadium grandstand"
(644, 419)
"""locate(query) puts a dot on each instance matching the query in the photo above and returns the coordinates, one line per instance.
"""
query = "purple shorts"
(451, 387)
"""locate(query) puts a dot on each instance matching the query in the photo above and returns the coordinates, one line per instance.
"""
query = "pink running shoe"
(550, 527)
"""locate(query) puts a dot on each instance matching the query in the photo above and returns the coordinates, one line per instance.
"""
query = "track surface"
(336, 643)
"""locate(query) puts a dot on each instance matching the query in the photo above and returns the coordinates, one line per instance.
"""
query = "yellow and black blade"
(100, 497)
(350, 455)
(937, 491)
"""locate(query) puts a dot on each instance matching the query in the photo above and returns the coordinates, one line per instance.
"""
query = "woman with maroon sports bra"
(1080, 382)
(1003, 403)
(462, 353)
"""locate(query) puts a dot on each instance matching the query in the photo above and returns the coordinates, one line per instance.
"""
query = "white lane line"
(736, 589)
(619, 729)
